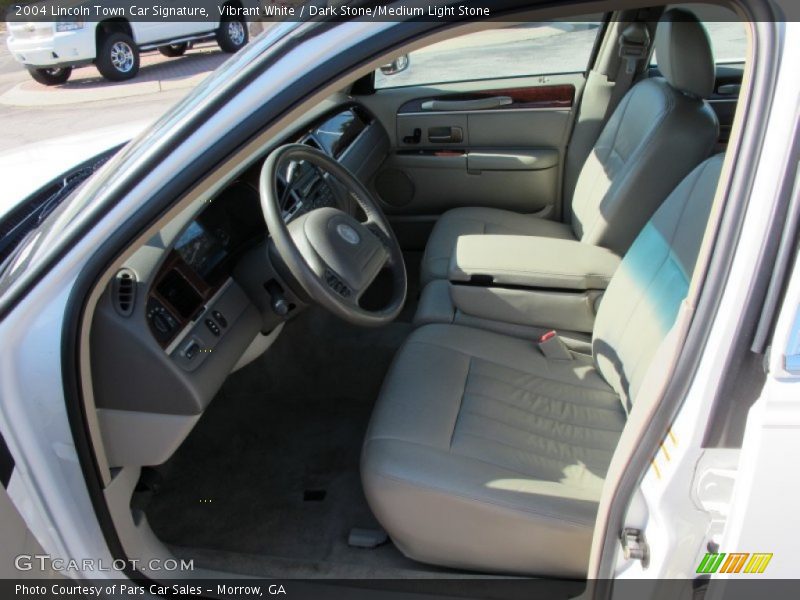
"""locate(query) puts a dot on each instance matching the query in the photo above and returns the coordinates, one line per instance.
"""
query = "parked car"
(472, 314)
(50, 50)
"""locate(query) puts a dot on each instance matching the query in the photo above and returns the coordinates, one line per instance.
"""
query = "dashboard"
(189, 306)
(199, 299)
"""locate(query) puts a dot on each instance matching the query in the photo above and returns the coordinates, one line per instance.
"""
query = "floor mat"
(272, 467)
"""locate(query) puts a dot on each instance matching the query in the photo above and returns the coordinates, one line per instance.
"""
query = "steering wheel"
(334, 257)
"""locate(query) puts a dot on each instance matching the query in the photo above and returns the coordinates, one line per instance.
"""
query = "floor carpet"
(269, 476)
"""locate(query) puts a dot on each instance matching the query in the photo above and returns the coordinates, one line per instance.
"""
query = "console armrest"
(531, 262)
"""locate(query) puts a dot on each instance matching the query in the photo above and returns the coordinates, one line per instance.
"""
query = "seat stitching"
(635, 156)
(610, 393)
(669, 259)
(534, 453)
(460, 402)
(550, 462)
(613, 396)
(529, 449)
(534, 476)
(461, 455)
(670, 254)
(505, 403)
(642, 294)
(643, 289)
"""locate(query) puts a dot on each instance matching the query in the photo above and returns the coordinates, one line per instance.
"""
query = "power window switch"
(213, 327)
(220, 318)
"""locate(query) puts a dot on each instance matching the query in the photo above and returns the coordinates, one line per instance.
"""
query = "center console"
(520, 285)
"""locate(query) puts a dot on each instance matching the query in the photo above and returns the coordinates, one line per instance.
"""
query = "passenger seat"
(661, 130)
(484, 453)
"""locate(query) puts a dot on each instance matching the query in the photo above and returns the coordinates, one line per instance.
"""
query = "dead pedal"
(366, 538)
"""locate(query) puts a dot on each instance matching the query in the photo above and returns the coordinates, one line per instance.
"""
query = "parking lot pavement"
(30, 112)
(157, 74)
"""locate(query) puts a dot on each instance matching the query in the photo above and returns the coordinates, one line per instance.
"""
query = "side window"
(525, 49)
(727, 32)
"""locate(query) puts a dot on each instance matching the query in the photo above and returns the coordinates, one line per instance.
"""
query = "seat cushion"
(482, 454)
(476, 220)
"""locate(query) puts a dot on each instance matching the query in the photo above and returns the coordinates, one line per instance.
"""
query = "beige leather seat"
(483, 454)
(660, 131)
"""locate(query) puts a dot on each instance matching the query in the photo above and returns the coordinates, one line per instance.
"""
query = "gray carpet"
(246, 488)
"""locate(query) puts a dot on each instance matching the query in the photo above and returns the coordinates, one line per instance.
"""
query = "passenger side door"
(481, 120)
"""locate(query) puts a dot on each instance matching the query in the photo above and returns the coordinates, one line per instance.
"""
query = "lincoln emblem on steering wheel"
(348, 234)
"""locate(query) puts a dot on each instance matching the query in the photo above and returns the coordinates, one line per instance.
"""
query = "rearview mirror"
(398, 65)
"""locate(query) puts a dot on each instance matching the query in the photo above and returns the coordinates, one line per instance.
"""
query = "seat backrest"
(641, 302)
(660, 131)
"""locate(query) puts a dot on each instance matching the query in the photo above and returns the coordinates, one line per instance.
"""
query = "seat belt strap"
(634, 46)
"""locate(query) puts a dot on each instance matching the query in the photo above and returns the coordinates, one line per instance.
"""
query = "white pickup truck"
(50, 50)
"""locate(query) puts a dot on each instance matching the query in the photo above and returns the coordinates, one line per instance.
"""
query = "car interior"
(405, 341)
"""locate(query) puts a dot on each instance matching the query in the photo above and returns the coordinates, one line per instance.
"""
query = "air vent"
(124, 292)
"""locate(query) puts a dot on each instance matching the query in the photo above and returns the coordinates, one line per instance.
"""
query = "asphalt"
(30, 112)
(157, 74)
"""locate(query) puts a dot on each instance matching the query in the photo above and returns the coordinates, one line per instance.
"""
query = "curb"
(17, 96)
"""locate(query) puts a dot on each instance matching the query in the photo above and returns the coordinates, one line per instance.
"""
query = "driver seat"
(661, 130)
(484, 454)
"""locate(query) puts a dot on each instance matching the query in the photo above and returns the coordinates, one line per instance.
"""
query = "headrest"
(684, 53)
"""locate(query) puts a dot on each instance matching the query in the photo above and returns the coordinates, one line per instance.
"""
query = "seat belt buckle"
(553, 347)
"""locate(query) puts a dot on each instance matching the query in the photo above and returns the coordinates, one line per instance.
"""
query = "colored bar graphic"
(711, 562)
(758, 563)
(734, 563)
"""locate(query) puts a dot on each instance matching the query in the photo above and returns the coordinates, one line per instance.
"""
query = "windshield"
(48, 212)
(21, 223)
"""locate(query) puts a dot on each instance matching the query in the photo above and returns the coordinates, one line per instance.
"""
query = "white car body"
(44, 45)
(743, 499)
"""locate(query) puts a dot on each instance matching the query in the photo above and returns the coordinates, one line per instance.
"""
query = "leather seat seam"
(635, 158)
(458, 455)
(610, 391)
(526, 450)
(460, 402)
(588, 427)
(643, 290)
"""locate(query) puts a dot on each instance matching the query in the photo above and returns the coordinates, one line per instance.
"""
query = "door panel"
(496, 143)
(726, 96)
(438, 180)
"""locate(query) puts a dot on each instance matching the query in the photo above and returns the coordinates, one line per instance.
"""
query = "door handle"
(445, 135)
(459, 105)
(729, 89)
